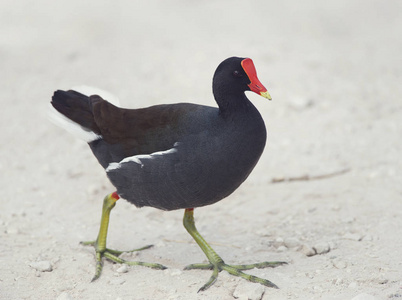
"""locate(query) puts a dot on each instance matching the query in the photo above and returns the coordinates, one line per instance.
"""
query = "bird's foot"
(235, 270)
(113, 255)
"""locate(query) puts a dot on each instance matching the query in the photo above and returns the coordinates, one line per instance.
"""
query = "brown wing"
(141, 131)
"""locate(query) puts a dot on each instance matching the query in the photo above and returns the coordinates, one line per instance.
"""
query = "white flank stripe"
(112, 166)
(149, 156)
(131, 158)
(72, 127)
(137, 158)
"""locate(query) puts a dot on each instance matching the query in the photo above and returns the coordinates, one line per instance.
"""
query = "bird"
(174, 156)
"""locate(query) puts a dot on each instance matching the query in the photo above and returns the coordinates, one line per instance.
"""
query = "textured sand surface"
(334, 71)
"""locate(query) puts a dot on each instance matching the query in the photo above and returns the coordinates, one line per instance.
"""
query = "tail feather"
(72, 111)
(76, 107)
(90, 90)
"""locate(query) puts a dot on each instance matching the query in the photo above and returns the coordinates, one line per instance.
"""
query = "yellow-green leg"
(100, 244)
(216, 263)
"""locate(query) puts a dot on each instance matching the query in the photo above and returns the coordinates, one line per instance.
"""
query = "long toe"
(235, 270)
(113, 255)
(265, 264)
(118, 252)
(199, 267)
(211, 280)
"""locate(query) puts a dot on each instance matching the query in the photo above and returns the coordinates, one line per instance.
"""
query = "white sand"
(334, 71)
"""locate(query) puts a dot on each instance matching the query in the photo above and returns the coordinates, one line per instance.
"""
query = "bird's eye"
(237, 74)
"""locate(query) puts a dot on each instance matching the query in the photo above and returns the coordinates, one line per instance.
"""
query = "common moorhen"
(175, 156)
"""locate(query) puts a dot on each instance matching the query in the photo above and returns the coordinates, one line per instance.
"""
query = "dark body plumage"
(178, 155)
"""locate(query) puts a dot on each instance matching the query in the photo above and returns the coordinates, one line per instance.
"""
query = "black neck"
(231, 101)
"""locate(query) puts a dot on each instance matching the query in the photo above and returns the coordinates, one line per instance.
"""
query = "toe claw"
(211, 280)
(98, 270)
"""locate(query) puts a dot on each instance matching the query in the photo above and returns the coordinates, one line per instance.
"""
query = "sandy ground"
(334, 71)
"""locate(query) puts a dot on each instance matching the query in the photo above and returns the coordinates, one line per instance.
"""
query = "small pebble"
(322, 248)
(175, 272)
(364, 296)
(339, 264)
(281, 249)
(122, 269)
(291, 242)
(279, 240)
(337, 281)
(248, 290)
(353, 285)
(42, 266)
(307, 250)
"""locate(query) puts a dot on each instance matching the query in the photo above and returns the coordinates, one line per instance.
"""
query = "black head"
(233, 77)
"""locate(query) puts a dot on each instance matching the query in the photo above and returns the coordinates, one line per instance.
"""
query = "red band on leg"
(115, 196)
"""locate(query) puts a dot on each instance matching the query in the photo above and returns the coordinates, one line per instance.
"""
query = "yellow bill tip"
(266, 95)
